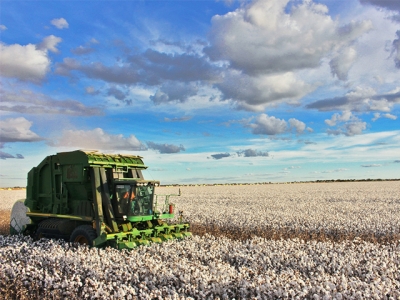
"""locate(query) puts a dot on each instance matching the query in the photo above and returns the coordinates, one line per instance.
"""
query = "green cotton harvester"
(95, 199)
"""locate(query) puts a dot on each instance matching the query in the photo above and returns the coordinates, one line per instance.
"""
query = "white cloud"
(29, 62)
(256, 93)
(3, 27)
(297, 125)
(355, 127)
(49, 43)
(268, 125)
(387, 116)
(267, 37)
(274, 48)
(60, 23)
(344, 117)
(346, 123)
(376, 116)
(360, 92)
(17, 130)
(97, 139)
(26, 63)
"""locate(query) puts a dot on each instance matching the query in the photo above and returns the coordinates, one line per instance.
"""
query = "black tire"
(84, 235)
(38, 234)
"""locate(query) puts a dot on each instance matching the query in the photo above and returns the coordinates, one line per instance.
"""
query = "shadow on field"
(244, 233)
(236, 233)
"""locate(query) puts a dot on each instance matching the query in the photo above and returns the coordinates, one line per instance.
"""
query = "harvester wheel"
(38, 234)
(84, 235)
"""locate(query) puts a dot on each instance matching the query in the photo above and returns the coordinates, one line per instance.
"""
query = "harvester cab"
(133, 199)
(95, 199)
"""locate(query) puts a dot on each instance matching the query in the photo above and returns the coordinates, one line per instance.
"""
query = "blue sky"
(205, 91)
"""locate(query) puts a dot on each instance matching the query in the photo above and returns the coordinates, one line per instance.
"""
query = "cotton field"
(363, 209)
(356, 257)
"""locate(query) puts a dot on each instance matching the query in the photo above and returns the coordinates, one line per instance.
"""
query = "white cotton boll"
(338, 296)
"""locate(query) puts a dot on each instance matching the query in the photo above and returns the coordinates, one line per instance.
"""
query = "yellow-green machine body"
(96, 199)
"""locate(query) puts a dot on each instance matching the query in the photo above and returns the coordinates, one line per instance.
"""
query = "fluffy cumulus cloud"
(270, 125)
(267, 42)
(60, 23)
(165, 148)
(270, 37)
(344, 117)
(17, 130)
(354, 128)
(97, 139)
(254, 93)
(346, 124)
(297, 125)
(28, 102)
(27, 62)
